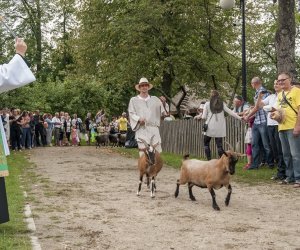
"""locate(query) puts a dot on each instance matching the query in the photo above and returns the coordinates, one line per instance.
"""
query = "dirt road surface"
(85, 198)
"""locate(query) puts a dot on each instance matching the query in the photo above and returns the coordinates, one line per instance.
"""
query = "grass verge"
(14, 234)
(253, 177)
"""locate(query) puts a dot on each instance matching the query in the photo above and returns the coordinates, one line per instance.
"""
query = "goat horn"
(145, 143)
(151, 140)
(229, 145)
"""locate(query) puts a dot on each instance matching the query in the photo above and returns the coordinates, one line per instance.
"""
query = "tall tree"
(34, 17)
(285, 37)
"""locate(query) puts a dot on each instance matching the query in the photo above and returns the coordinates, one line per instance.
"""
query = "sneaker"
(296, 185)
(246, 166)
(286, 182)
(275, 178)
(250, 168)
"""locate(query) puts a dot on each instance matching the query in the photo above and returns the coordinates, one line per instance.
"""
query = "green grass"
(252, 177)
(14, 234)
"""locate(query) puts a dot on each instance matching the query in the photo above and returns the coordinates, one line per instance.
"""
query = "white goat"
(212, 174)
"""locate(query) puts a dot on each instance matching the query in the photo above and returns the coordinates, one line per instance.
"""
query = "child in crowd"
(249, 144)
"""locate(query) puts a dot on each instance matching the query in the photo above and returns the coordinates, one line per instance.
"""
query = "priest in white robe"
(145, 114)
(12, 75)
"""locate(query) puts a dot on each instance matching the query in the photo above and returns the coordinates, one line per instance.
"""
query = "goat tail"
(186, 156)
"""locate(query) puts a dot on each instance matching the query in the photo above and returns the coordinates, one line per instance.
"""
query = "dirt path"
(85, 198)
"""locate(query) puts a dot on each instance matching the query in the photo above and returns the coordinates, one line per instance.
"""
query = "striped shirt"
(260, 115)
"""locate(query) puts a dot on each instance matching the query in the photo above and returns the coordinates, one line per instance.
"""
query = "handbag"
(278, 115)
(205, 125)
(248, 136)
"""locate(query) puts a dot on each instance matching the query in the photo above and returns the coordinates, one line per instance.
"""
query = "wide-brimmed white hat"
(143, 80)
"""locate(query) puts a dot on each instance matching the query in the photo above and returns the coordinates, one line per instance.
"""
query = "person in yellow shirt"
(122, 121)
(289, 128)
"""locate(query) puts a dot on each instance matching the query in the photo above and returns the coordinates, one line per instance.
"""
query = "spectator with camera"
(289, 128)
(215, 124)
(268, 105)
(259, 129)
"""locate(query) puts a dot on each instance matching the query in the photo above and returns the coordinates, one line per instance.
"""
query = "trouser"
(26, 138)
(260, 131)
(4, 216)
(219, 143)
(39, 131)
(56, 136)
(48, 135)
(277, 150)
(15, 136)
(291, 154)
(68, 134)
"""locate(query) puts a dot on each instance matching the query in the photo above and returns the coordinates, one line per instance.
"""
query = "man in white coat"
(145, 114)
(12, 75)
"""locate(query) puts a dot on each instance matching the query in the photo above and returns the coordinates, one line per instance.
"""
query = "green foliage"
(111, 44)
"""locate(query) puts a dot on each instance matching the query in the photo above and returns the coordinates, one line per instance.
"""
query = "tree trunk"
(285, 37)
(166, 84)
(38, 37)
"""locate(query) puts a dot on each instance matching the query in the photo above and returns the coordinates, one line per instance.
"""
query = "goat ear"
(151, 140)
(143, 141)
(186, 156)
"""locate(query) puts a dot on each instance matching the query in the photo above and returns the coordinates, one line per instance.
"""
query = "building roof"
(190, 102)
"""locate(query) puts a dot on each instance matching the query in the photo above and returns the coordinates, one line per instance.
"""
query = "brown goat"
(149, 164)
(212, 174)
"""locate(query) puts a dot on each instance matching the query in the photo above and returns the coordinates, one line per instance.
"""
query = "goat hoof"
(138, 194)
(193, 198)
(216, 208)
(226, 203)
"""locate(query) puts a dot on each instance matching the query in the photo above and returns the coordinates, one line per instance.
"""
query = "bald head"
(256, 82)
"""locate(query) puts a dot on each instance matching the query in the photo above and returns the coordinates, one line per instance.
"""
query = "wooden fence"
(185, 136)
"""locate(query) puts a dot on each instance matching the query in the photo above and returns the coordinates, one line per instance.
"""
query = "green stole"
(3, 161)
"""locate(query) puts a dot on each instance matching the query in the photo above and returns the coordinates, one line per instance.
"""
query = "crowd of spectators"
(25, 130)
(275, 128)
